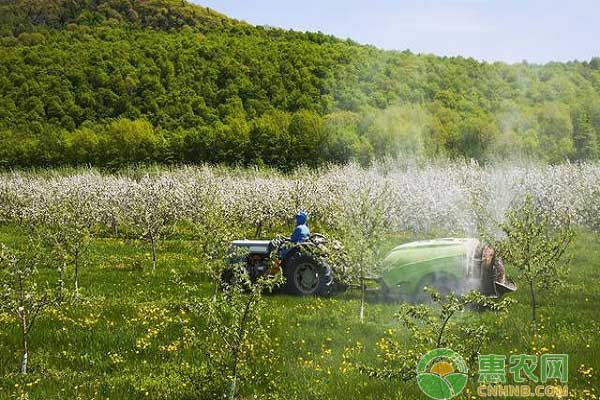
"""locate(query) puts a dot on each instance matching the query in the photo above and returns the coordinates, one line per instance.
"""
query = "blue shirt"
(301, 233)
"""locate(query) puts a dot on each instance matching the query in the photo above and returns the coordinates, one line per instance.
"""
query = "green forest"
(113, 82)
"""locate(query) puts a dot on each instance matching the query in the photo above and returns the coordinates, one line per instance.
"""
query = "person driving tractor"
(301, 232)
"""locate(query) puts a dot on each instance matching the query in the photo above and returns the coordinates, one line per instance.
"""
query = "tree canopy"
(111, 82)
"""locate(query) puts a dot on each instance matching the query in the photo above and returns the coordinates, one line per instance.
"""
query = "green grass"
(99, 348)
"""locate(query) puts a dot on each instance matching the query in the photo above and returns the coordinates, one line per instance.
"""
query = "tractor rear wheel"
(304, 276)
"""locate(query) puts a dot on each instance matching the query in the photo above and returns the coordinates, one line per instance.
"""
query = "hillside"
(19, 16)
(120, 81)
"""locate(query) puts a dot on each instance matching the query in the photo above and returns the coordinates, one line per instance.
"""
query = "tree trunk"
(153, 245)
(76, 273)
(442, 329)
(238, 346)
(258, 230)
(25, 345)
(115, 229)
(233, 388)
(533, 309)
(297, 196)
(61, 282)
(24, 360)
(362, 294)
(362, 301)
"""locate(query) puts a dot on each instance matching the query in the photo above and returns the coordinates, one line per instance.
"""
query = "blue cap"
(301, 218)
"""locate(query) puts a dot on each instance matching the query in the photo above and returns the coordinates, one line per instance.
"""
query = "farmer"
(301, 232)
(489, 258)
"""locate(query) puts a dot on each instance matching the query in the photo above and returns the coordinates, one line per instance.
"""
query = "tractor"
(457, 265)
(305, 266)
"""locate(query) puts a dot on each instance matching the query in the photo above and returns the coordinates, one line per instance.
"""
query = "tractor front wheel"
(306, 277)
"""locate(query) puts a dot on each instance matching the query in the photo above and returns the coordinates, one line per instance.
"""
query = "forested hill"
(19, 16)
(120, 81)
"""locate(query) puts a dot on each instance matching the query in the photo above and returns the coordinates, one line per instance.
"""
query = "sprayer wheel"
(443, 283)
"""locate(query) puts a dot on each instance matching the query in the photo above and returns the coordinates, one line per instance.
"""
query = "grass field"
(123, 338)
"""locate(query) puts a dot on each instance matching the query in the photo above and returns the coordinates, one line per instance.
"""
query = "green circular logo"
(442, 374)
